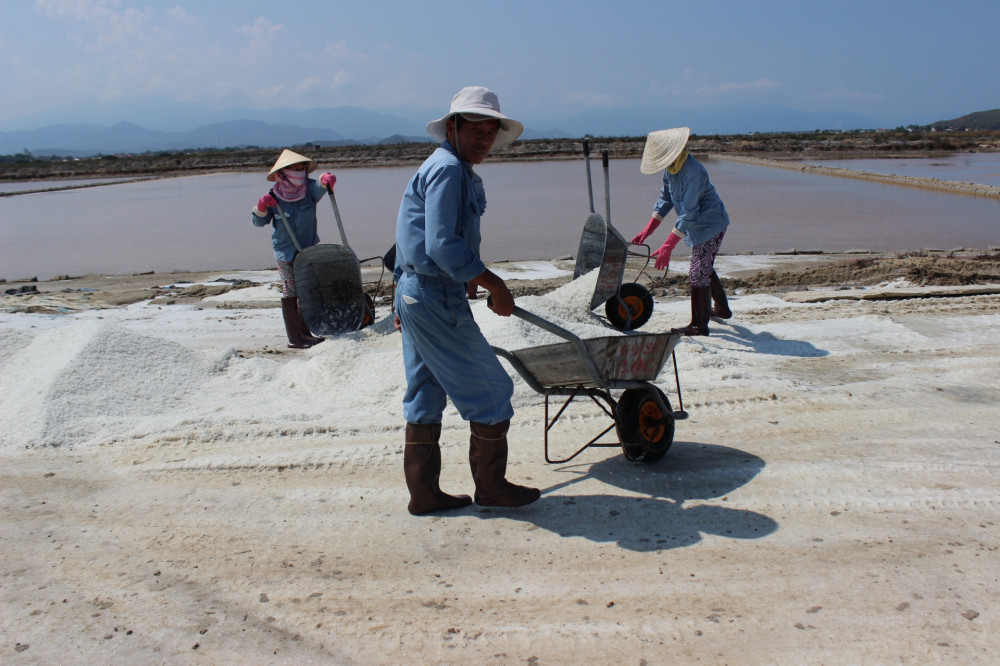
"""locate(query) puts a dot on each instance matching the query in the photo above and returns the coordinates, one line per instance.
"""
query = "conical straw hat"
(287, 159)
(662, 148)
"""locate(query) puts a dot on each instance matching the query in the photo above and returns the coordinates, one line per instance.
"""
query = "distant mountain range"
(236, 128)
(980, 120)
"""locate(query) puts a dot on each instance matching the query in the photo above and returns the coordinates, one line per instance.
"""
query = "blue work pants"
(446, 355)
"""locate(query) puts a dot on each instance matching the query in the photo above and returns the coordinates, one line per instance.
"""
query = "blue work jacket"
(301, 216)
(437, 230)
(701, 215)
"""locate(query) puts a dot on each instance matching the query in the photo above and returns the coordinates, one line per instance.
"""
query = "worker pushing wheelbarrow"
(641, 415)
(602, 248)
(321, 291)
(328, 277)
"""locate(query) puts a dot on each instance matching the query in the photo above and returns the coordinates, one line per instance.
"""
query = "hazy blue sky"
(901, 61)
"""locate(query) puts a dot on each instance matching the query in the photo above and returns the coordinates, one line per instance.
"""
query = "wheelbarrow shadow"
(658, 514)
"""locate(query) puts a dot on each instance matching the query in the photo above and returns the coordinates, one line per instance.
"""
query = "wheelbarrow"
(328, 280)
(641, 416)
(602, 247)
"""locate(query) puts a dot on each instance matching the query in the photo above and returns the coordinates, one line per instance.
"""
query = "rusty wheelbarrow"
(641, 415)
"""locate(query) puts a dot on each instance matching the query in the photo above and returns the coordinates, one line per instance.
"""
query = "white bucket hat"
(662, 148)
(287, 159)
(478, 101)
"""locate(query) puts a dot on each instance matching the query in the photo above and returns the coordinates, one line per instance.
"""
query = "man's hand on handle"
(501, 300)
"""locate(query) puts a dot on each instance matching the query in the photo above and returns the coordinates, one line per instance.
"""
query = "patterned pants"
(703, 261)
(288, 278)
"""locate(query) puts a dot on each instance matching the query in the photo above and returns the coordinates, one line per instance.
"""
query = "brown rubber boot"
(293, 327)
(422, 467)
(488, 461)
(304, 327)
(720, 306)
(701, 310)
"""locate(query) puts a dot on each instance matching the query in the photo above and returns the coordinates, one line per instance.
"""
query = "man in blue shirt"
(438, 270)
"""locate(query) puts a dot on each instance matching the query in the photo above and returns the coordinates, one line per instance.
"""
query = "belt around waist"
(431, 279)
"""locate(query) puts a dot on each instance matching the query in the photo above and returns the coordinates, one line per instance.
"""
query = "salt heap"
(63, 385)
(93, 381)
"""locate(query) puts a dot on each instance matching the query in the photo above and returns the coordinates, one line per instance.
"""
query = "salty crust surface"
(832, 498)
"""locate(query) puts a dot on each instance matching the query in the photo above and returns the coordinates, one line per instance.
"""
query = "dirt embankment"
(824, 145)
(66, 293)
(974, 189)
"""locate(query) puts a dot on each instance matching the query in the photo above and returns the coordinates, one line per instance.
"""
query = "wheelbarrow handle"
(607, 187)
(590, 182)
(581, 346)
(336, 214)
(288, 227)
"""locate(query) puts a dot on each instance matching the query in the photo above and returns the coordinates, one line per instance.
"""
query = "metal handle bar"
(581, 347)
(336, 214)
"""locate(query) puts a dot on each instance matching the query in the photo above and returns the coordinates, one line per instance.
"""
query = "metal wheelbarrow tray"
(642, 416)
(627, 305)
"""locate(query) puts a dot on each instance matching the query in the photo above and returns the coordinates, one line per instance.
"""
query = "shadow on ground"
(664, 504)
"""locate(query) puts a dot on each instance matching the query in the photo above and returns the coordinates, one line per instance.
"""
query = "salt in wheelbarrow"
(602, 247)
(328, 280)
(642, 416)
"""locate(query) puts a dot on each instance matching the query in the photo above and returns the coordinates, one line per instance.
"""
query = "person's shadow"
(767, 343)
(661, 513)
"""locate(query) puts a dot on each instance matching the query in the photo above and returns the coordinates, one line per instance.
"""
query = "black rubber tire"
(644, 429)
(331, 297)
(639, 302)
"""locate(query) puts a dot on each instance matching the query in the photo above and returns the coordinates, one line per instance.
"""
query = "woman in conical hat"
(701, 221)
(297, 195)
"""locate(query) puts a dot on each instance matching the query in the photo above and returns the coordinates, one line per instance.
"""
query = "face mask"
(290, 185)
(676, 165)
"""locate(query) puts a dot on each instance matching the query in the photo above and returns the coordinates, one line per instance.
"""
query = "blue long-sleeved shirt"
(701, 215)
(301, 216)
(437, 230)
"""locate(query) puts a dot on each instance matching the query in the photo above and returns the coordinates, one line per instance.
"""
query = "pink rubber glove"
(327, 180)
(663, 254)
(266, 201)
(641, 237)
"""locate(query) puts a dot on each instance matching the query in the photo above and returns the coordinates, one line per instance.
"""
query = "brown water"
(535, 210)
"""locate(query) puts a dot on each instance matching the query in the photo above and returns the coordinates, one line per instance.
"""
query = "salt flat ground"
(832, 499)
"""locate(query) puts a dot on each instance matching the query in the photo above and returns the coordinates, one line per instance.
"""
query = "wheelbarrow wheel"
(369, 317)
(639, 302)
(645, 428)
